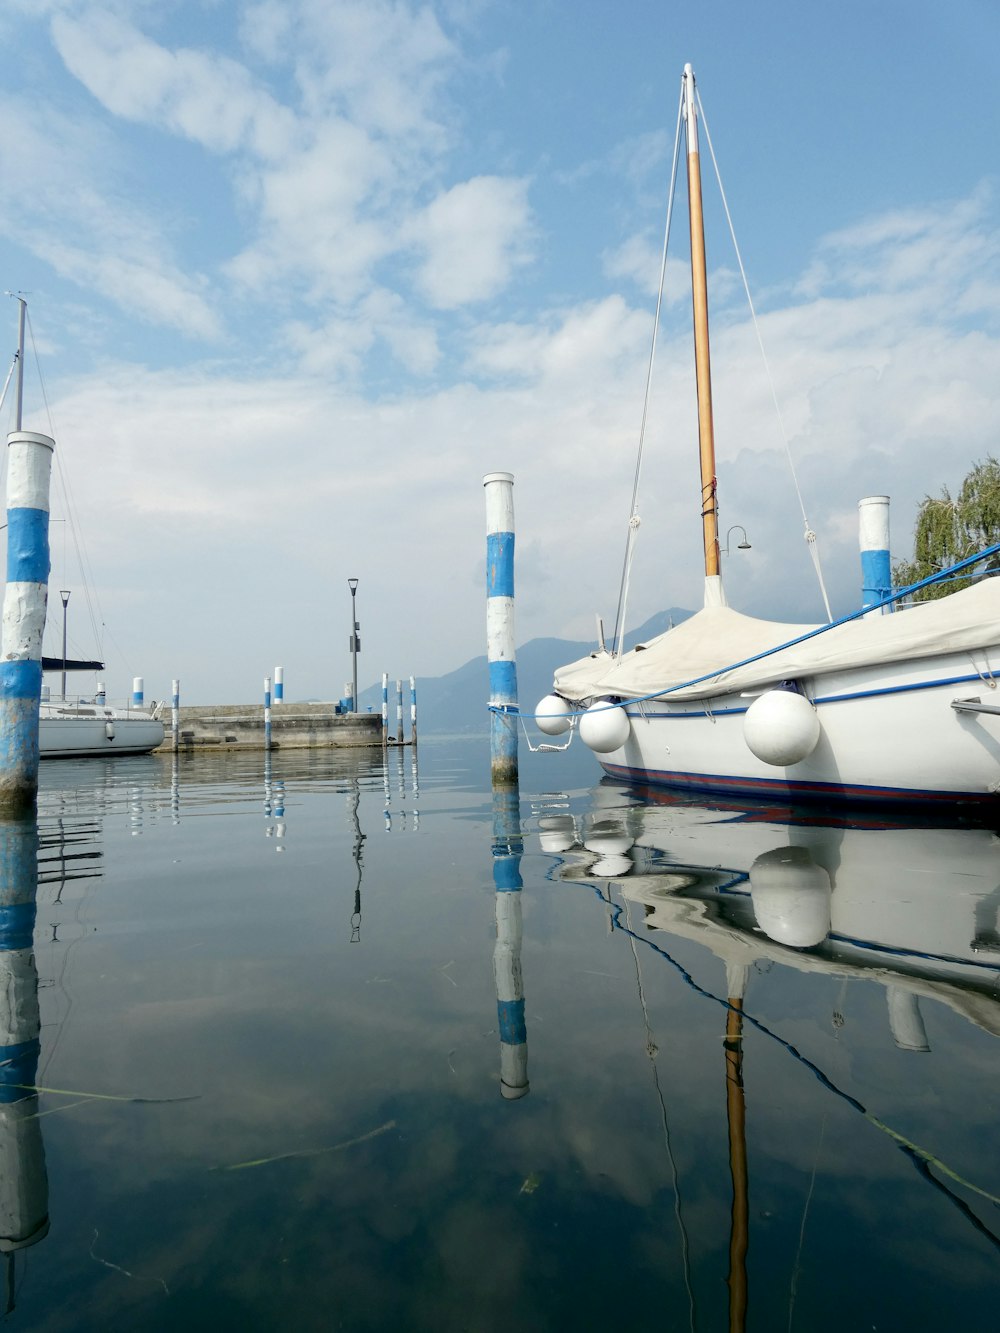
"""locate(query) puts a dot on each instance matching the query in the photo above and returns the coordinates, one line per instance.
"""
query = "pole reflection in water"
(508, 846)
(274, 805)
(354, 801)
(24, 1189)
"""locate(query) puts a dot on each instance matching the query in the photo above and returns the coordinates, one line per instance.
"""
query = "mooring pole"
(138, 691)
(175, 712)
(29, 471)
(873, 540)
(413, 711)
(279, 684)
(399, 712)
(385, 709)
(267, 712)
(500, 625)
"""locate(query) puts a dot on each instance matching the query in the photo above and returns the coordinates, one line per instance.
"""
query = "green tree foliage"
(948, 530)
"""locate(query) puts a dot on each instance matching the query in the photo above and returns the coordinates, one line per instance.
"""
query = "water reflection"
(24, 1190)
(912, 906)
(508, 847)
(908, 906)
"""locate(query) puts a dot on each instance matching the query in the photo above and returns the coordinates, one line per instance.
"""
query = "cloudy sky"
(300, 272)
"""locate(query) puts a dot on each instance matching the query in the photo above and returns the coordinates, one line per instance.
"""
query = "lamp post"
(355, 644)
(64, 594)
(744, 545)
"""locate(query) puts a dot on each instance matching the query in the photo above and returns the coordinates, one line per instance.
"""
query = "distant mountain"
(457, 702)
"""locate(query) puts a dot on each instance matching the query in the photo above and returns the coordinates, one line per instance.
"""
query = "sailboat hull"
(68, 733)
(884, 735)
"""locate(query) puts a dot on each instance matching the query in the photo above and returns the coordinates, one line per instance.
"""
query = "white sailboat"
(899, 707)
(78, 727)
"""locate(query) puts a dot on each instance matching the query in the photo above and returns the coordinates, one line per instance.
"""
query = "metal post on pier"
(399, 712)
(175, 713)
(267, 712)
(29, 471)
(385, 709)
(500, 625)
(413, 711)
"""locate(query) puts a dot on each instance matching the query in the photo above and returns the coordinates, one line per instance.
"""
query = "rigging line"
(651, 1051)
(810, 535)
(797, 1269)
(633, 522)
(86, 573)
(919, 1157)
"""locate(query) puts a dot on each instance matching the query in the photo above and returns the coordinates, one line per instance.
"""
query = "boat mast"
(699, 297)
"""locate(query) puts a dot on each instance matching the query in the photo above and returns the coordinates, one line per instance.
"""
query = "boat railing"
(92, 705)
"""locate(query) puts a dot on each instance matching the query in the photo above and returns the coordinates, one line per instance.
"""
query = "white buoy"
(604, 727)
(791, 897)
(552, 715)
(781, 728)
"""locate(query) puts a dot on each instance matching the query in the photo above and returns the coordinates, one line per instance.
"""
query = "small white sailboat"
(77, 727)
(899, 707)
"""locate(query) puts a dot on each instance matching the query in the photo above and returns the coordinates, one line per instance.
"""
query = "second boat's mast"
(702, 363)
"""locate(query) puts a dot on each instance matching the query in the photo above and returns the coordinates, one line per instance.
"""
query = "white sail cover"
(715, 640)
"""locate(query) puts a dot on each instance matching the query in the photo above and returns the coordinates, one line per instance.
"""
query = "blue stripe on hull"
(712, 784)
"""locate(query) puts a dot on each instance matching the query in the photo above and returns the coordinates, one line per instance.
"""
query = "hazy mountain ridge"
(457, 702)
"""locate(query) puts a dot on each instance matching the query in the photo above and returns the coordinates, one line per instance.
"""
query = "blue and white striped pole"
(385, 709)
(399, 712)
(24, 1186)
(279, 684)
(138, 691)
(413, 711)
(175, 713)
(500, 625)
(267, 712)
(873, 538)
(508, 846)
(29, 471)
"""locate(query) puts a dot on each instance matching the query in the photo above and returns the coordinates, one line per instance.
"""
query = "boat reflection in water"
(909, 906)
(912, 906)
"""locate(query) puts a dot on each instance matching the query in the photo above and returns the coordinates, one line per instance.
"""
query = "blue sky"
(300, 273)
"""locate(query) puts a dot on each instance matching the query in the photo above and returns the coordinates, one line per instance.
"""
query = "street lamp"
(64, 594)
(355, 645)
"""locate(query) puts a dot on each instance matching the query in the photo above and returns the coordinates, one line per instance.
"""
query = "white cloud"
(471, 238)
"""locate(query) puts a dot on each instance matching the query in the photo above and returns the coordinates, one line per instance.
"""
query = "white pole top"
(497, 476)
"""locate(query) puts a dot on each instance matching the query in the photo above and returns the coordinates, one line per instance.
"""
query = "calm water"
(281, 1047)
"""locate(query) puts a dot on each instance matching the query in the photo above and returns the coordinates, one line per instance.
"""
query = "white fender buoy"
(552, 715)
(781, 728)
(608, 837)
(604, 727)
(109, 730)
(791, 897)
(556, 833)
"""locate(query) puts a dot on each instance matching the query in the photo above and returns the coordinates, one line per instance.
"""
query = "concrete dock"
(293, 727)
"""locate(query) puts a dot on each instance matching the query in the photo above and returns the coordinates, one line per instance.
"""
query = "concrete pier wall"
(293, 726)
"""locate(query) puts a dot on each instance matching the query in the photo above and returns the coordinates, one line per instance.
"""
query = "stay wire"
(94, 609)
(809, 534)
(633, 521)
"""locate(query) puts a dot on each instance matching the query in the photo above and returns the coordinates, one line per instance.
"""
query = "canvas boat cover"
(713, 641)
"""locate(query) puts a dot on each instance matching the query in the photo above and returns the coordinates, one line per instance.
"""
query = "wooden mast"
(699, 297)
